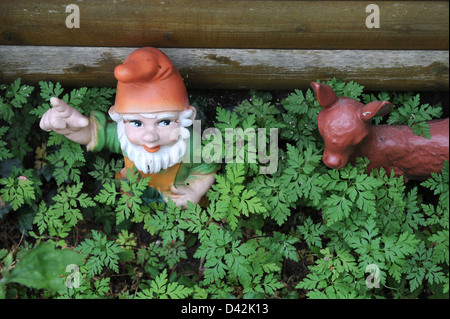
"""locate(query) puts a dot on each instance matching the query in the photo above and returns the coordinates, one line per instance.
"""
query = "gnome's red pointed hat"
(148, 82)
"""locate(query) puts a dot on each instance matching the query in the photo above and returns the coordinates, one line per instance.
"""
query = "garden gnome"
(151, 120)
(345, 125)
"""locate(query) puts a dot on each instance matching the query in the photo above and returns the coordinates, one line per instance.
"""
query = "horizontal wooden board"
(236, 68)
(227, 24)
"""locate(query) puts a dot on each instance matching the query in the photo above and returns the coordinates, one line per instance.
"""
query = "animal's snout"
(333, 161)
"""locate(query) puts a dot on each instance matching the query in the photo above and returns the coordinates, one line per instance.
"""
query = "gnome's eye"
(136, 123)
(165, 123)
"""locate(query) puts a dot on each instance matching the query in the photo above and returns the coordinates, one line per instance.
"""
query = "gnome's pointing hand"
(67, 121)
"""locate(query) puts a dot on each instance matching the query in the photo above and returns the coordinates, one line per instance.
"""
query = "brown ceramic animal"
(345, 125)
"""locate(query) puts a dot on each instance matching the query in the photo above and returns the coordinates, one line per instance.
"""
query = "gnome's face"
(151, 132)
(154, 141)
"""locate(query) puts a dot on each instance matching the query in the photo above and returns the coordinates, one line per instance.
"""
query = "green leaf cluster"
(408, 111)
(38, 268)
(101, 253)
(305, 231)
(64, 212)
(161, 288)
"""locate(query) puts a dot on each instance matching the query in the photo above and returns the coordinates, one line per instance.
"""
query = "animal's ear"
(324, 94)
(375, 108)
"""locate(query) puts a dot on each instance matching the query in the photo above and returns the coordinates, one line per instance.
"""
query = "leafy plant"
(303, 231)
(409, 111)
(160, 288)
(65, 213)
(232, 197)
(17, 190)
(39, 268)
(101, 253)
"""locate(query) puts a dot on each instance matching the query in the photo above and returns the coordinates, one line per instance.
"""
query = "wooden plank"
(268, 69)
(227, 24)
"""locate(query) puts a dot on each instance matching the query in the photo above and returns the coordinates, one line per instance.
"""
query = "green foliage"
(4, 152)
(409, 111)
(39, 268)
(350, 189)
(101, 253)
(233, 200)
(17, 190)
(65, 213)
(15, 97)
(304, 231)
(160, 288)
(14, 107)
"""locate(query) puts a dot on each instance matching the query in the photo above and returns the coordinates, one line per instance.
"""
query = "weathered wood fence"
(231, 44)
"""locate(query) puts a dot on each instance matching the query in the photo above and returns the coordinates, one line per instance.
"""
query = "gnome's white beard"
(151, 163)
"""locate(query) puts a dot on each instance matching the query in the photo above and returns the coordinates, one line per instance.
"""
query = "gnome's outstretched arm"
(193, 191)
(67, 121)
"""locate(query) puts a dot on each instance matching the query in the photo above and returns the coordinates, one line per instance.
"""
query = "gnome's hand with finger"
(67, 121)
(151, 127)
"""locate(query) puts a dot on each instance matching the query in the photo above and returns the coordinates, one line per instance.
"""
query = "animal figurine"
(150, 126)
(345, 125)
